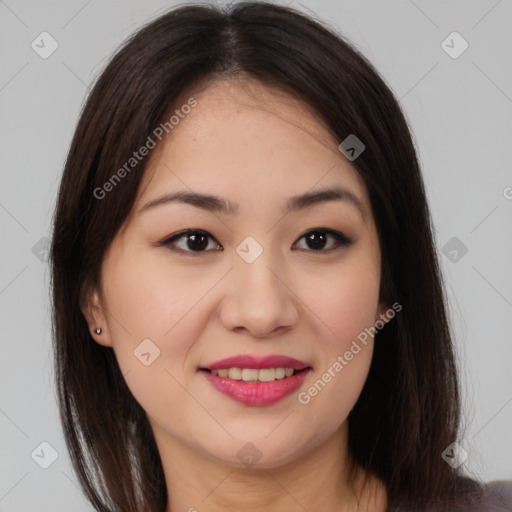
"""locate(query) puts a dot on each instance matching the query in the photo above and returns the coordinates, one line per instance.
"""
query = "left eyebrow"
(217, 204)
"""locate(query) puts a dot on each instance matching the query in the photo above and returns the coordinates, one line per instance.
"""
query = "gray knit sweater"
(497, 497)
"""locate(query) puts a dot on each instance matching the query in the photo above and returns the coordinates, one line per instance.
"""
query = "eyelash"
(341, 239)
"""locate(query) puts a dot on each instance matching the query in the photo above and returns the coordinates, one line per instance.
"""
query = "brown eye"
(195, 241)
(317, 239)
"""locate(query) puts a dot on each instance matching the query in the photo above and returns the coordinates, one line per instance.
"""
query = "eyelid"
(341, 239)
(181, 234)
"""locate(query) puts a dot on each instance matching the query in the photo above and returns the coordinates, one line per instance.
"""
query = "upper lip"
(253, 361)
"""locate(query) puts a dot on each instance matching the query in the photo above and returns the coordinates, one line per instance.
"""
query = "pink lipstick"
(257, 381)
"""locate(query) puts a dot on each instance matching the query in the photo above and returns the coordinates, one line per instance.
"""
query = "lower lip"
(257, 393)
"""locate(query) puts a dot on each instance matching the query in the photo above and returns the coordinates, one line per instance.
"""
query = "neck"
(318, 480)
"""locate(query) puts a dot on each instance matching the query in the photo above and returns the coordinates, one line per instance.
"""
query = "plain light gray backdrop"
(459, 106)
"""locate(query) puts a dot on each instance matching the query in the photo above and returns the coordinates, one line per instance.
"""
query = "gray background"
(459, 110)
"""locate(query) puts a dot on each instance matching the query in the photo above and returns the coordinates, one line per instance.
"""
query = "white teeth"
(280, 373)
(249, 375)
(235, 373)
(253, 374)
(266, 374)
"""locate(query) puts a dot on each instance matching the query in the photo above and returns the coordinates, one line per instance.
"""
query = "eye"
(317, 239)
(197, 240)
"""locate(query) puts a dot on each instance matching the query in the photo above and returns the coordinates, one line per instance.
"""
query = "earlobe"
(93, 312)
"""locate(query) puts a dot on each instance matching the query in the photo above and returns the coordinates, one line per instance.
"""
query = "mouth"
(257, 381)
(256, 386)
(256, 374)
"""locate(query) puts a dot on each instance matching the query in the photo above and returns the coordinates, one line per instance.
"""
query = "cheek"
(346, 307)
(345, 301)
(149, 299)
(156, 310)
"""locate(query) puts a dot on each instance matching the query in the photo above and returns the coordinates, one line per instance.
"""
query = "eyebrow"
(217, 204)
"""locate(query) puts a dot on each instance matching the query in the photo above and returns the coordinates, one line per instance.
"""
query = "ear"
(94, 313)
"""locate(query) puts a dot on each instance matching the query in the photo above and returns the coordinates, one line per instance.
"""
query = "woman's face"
(257, 281)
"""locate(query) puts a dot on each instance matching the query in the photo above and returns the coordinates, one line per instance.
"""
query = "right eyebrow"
(329, 194)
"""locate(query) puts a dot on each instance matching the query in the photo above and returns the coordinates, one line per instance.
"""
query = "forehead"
(247, 140)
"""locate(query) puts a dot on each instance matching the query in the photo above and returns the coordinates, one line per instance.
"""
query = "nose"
(259, 299)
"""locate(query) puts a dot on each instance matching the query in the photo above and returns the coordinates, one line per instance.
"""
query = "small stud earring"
(98, 330)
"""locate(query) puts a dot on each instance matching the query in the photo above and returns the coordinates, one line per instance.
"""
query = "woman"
(248, 308)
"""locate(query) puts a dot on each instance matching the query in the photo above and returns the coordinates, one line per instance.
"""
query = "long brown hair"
(409, 410)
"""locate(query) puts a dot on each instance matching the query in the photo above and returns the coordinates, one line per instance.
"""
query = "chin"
(261, 451)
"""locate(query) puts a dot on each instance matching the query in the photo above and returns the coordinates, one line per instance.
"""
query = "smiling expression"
(230, 250)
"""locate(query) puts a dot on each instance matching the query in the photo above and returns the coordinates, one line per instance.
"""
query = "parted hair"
(408, 412)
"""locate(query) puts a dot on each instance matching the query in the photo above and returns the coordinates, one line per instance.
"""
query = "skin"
(256, 146)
